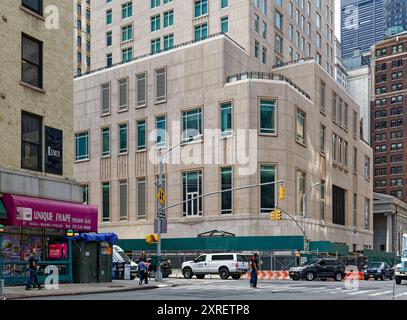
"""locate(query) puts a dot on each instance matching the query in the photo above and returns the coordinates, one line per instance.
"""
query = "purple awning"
(43, 213)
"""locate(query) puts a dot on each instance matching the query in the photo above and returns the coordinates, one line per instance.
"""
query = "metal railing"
(266, 76)
(287, 63)
(184, 44)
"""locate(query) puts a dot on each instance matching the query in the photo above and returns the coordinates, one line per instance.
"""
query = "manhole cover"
(117, 286)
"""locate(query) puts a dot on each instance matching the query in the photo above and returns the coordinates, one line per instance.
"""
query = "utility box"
(91, 260)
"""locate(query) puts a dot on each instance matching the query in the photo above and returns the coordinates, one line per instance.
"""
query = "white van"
(120, 256)
(224, 264)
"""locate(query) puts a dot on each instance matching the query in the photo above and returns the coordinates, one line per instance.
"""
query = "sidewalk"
(83, 288)
(262, 275)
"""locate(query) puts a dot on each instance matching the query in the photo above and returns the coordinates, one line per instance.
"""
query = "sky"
(338, 19)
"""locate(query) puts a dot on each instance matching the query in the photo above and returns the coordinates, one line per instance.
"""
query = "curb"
(75, 293)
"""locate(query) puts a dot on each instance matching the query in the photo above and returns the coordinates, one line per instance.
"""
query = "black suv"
(319, 268)
(378, 270)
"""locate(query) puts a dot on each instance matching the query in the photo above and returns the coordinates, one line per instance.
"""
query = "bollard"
(2, 287)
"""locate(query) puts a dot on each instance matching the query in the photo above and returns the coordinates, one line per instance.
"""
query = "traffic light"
(152, 238)
(278, 214)
(275, 215)
(282, 192)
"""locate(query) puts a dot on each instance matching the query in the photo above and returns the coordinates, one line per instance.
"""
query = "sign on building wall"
(53, 150)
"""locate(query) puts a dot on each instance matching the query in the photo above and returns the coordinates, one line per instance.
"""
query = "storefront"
(40, 224)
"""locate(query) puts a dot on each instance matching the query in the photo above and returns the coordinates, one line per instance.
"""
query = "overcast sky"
(338, 19)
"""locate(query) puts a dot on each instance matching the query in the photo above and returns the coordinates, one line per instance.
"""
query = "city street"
(214, 289)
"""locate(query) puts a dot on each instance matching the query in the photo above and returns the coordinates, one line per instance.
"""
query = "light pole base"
(159, 276)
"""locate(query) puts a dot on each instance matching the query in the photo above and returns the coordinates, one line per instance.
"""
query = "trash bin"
(120, 271)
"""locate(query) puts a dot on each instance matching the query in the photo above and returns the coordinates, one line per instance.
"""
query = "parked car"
(166, 267)
(120, 256)
(378, 270)
(224, 264)
(322, 268)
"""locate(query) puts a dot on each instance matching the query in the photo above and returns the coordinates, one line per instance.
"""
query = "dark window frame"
(40, 145)
(40, 6)
(39, 66)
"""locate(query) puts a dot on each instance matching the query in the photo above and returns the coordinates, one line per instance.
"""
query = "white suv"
(224, 264)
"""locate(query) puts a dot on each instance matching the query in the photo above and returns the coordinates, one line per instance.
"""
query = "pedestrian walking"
(254, 266)
(143, 273)
(33, 270)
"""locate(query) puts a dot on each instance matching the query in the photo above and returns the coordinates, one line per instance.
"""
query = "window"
(31, 61)
(201, 32)
(127, 55)
(322, 140)
(82, 146)
(123, 138)
(31, 142)
(105, 98)
(355, 210)
(141, 198)
(334, 107)
(123, 200)
(160, 124)
(345, 153)
(168, 18)
(268, 116)
(278, 20)
(256, 49)
(367, 213)
(168, 42)
(141, 85)
(105, 201)
(267, 192)
(355, 124)
(161, 85)
(300, 190)
(85, 194)
(338, 205)
(127, 33)
(318, 41)
(256, 23)
(367, 168)
(109, 60)
(300, 127)
(105, 141)
(191, 124)
(123, 94)
(155, 46)
(334, 147)
(226, 196)
(201, 8)
(155, 3)
(141, 135)
(226, 118)
(109, 17)
(322, 96)
(224, 3)
(33, 5)
(397, 48)
(224, 24)
(192, 189)
(264, 7)
(279, 43)
(155, 22)
(264, 55)
(322, 201)
(127, 10)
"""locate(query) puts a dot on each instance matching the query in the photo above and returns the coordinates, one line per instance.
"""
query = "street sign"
(161, 196)
(163, 225)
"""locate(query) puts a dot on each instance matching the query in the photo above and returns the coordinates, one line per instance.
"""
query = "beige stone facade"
(204, 75)
(81, 36)
(298, 23)
(52, 101)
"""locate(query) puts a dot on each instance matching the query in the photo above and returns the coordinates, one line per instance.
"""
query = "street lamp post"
(304, 210)
(161, 210)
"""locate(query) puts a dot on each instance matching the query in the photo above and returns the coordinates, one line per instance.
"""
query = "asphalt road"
(214, 289)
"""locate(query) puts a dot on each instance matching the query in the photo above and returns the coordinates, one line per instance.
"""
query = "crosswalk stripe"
(379, 293)
(359, 292)
(400, 294)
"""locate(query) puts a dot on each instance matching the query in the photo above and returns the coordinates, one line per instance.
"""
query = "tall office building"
(362, 25)
(395, 17)
(206, 69)
(82, 36)
(272, 31)
(389, 96)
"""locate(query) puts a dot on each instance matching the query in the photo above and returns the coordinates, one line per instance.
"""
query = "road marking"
(379, 293)
(359, 292)
(400, 294)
